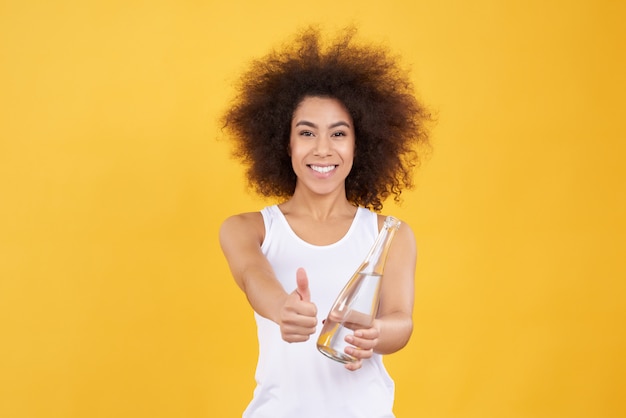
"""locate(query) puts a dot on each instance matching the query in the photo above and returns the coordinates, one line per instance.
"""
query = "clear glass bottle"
(357, 304)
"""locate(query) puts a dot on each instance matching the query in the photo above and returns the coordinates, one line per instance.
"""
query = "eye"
(338, 133)
(306, 133)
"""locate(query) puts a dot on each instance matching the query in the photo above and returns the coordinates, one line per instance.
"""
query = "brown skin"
(320, 213)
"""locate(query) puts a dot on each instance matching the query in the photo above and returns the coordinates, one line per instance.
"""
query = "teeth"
(324, 169)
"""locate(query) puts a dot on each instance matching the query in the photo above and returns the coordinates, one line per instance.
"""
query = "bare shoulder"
(248, 225)
(246, 218)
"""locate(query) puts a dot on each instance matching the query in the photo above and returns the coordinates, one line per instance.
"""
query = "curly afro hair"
(390, 123)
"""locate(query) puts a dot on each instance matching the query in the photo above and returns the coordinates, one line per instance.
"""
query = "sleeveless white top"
(295, 380)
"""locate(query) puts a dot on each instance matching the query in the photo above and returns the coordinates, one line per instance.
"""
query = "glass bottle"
(357, 304)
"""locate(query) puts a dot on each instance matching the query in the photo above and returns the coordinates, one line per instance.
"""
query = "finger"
(359, 353)
(367, 333)
(361, 342)
(293, 333)
(355, 365)
(299, 323)
(302, 282)
(295, 338)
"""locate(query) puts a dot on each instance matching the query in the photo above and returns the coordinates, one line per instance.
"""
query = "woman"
(332, 132)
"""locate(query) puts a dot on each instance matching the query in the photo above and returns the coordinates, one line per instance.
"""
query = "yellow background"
(115, 300)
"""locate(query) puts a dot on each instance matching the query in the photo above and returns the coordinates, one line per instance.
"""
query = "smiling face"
(322, 145)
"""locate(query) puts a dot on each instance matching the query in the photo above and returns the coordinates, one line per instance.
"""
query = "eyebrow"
(331, 126)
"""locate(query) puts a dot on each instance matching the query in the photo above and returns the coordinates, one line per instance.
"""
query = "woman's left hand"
(364, 341)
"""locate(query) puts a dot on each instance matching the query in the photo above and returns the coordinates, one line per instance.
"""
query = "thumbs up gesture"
(298, 318)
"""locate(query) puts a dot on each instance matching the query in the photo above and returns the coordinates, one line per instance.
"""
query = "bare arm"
(241, 237)
(395, 315)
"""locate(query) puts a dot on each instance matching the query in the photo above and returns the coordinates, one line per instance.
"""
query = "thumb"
(303, 285)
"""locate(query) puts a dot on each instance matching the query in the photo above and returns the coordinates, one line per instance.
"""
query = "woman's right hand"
(298, 316)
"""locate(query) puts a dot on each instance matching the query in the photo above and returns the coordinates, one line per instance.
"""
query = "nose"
(322, 146)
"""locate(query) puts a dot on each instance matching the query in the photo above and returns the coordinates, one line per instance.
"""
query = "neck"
(319, 207)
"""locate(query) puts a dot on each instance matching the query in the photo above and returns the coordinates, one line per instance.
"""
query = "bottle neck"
(375, 261)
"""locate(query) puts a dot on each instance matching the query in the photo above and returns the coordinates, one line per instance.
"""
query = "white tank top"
(295, 380)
